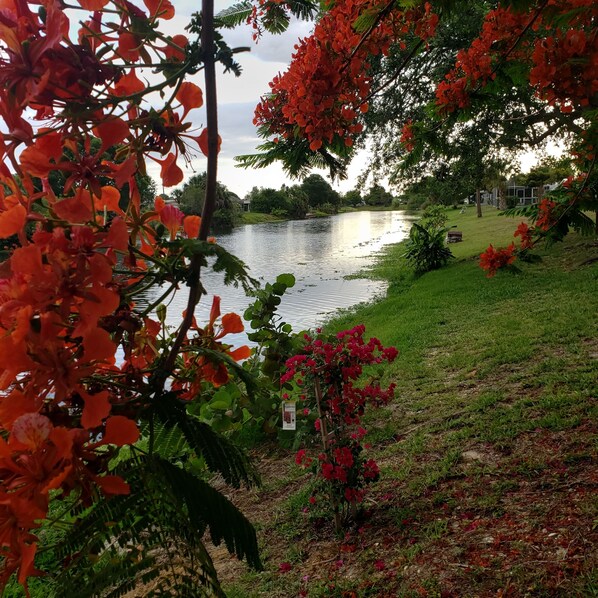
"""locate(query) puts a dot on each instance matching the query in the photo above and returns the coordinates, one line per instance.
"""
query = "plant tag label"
(289, 415)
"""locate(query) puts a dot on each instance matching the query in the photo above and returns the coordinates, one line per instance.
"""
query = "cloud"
(270, 48)
(253, 82)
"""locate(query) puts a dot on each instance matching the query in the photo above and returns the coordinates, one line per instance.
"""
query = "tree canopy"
(319, 192)
(519, 73)
(191, 196)
(378, 196)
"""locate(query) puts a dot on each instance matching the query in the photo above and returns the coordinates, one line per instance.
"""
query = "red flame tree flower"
(547, 50)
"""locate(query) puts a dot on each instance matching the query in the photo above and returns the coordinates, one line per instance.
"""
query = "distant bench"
(454, 236)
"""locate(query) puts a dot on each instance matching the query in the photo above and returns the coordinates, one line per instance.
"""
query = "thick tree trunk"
(540, 193)
(478, 202)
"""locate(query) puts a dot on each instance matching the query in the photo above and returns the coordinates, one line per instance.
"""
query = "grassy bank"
(488, 453)
(258, 218)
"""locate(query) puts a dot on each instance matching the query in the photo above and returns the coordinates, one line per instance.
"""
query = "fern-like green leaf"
(154, 534)
(582, 223)
(234, 269)
(296, 158)
(365, 21)
(234, 15)
(276, 20)
(303, 9)
(221, 455)
(207, 505)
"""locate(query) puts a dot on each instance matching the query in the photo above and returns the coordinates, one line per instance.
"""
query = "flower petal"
(76, 209)
(31, 430)
(118, 235)
(191, 225)
(190, 96)
(12, 220)
(171, 174)
(202, 141)
(215, 311)
(128, 84)
(120, 430)
(112, 484)
(231, 324)
(109, 200)
(96, 408)
(172, 218)
(98, 346)
(161, 9)
(241, 353)
(112, 131)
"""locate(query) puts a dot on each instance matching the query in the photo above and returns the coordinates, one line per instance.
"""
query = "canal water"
(320, 252)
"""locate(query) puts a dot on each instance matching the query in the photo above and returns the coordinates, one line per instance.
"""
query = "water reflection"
(319, 252)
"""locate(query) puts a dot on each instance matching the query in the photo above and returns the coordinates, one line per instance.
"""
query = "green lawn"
(488, 452)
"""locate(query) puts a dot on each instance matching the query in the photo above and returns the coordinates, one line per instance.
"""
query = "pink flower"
(379, 565)
(284, 567)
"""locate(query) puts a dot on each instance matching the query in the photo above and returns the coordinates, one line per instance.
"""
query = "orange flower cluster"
(92, 83)
(525, 232)
(549, 221)
(326, 87)
(546, 214)
(493, 260)
(566, 63)
(562, 53)
(319, 98)
(474, 66)
(209, 337)
(408, 136)
(75, 133)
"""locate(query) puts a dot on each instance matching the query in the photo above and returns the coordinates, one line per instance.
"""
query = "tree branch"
(403, 64)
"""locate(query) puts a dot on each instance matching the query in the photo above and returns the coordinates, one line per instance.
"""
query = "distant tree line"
(313, 194)
(190, 199)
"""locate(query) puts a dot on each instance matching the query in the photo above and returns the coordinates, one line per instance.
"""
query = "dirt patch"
(516, 524)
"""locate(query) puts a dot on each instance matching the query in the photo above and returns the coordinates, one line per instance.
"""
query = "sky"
(238, 97)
